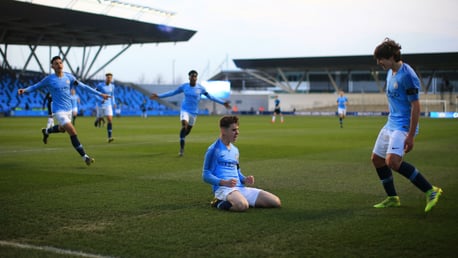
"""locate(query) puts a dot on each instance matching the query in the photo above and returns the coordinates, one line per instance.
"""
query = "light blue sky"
(239, 29)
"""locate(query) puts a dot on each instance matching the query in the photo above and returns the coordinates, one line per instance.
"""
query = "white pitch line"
(28, 150)
(51, 249)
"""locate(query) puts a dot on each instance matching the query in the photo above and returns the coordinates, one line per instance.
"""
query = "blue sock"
(224, 205)
(386, 176)
(182, 137)
(109, 129)
(414, 176)
(77, 145)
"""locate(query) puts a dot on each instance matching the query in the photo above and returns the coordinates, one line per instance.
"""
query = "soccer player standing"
(107, 106)
(221, 169)
(396, 138)
(277, 111)
(342, 102)
(59, 84)
(193, 92)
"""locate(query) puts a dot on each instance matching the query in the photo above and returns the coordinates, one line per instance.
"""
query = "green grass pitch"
(139, 199)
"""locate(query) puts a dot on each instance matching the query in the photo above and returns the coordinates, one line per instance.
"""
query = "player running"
(193, 92)
(107, 106)
(342, 102)
(59, 84)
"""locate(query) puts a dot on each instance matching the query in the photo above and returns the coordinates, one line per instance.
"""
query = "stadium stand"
(31, 104)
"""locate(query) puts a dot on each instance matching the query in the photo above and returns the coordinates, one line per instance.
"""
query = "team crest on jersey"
(67, 82)
(395, 85)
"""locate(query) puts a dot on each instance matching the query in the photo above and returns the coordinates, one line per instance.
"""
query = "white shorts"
(342, 111)
(63, 117)
(106, 111)
(390, 141)
(250, 193)
(188, 117)
(75, 110)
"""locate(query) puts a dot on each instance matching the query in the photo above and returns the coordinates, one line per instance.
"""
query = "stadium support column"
(333, 82)
(377, 81)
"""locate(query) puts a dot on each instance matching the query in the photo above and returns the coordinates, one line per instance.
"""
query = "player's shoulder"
(213, 148)
(69, 76)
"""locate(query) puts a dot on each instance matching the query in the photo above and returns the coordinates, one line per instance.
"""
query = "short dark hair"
(192, 72)
(55, 58)
(227, 121)
(388, 48)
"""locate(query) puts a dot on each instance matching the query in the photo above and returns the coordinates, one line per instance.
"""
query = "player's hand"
(20, 91)
(408, 143)
(227, 104)
(249, 180)
(105, 96)
(153, 96)
(229, 183)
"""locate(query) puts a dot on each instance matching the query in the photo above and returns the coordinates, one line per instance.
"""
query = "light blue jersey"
(402, 89)
(75, 99)
(342, 101)
(109, 90)
(59, 87)
(192, 96)
(222, 163)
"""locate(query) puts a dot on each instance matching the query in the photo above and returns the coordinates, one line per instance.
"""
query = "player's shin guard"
(386, 177)
(414, 176)
(77, 145)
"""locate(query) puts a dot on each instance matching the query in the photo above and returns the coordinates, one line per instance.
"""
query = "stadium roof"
(275, 71)
(30, 24)
(427, 61)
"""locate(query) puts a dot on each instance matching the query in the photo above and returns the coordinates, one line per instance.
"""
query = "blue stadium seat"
(129, 99)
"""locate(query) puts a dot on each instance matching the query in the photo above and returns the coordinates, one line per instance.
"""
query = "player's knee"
(268, 200)
(393, 163)
(241, 205)
(276, 202)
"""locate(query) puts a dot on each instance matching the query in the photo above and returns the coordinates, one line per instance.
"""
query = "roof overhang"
(427, 61)
(30, 24)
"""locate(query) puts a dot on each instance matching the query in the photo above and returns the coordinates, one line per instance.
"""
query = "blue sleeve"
(209, 166)
(210, 97)
(241, 176)
(87, 88)
(413, 91)
(113, 100)
(171, 93)
(36, 86)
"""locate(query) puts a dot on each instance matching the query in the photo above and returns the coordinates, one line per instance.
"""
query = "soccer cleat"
(432, 197)
(214, 203)
(45, 135)
(390, 201)
(88, 160)
(110, 139)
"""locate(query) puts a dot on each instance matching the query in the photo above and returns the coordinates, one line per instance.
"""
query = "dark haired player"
(59, 84)
(397, 136)
(193, 92)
